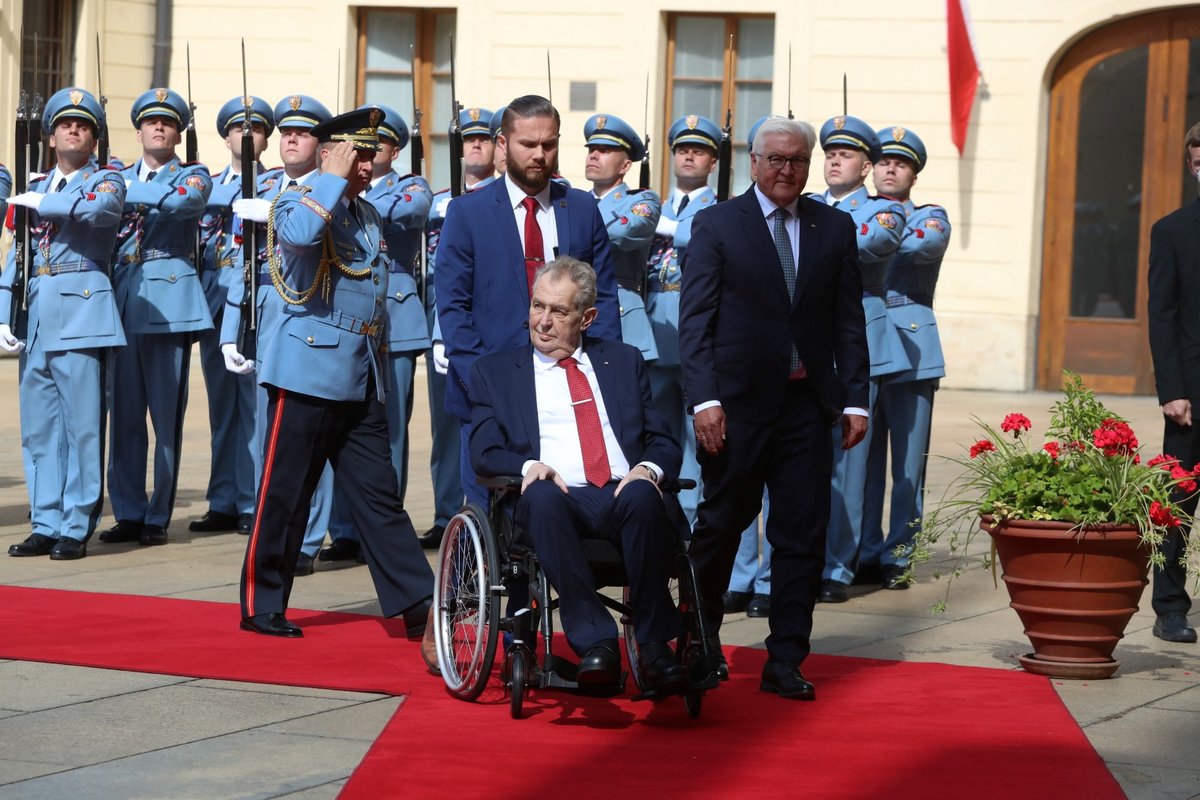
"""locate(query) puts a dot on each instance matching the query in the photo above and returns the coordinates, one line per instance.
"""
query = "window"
(47, 51)
(706, 76)
(399, 50)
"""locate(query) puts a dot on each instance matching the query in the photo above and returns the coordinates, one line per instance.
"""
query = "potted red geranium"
(1076, 521)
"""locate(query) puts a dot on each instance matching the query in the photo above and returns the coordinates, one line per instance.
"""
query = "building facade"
(1074, 148)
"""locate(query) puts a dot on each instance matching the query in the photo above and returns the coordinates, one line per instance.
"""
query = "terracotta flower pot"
(1074, 590)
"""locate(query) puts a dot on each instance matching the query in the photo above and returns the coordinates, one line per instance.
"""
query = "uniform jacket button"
(310, 340)
(87, 292)
(913, 326)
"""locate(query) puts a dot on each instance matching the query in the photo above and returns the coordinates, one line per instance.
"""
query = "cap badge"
(693, 121)
(161, 94)
(474, 114)
(295, 102)
(247, 101)
(601, 121)
(897, 133)
(839, 122)
(375, 117)
(76, 97)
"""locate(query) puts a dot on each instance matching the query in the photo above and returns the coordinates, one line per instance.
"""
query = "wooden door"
(1119, 109)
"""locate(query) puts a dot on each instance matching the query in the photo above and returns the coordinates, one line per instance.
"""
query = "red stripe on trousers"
(264, 484)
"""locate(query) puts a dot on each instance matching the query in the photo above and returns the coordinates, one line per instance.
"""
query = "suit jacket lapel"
(808, 232)
(526, 399)
(758, 234)
(607, 379)
(558, 202)
(509, 238)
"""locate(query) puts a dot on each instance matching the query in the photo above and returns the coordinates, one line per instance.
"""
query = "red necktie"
(535, 251)
(587, 420)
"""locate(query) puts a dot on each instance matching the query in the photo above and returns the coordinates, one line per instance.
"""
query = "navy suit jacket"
(482, 291)
(1175, 305)
(736, 326)
(504, 415)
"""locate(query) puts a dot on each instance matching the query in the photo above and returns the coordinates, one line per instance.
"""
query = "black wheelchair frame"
(482, 561)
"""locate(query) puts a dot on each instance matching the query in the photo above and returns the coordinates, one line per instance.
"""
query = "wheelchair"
(482, 561)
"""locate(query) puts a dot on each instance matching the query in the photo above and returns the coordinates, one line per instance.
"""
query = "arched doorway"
(1120, 102)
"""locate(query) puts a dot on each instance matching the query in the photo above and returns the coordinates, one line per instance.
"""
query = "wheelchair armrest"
(677, 485)
(500, 481)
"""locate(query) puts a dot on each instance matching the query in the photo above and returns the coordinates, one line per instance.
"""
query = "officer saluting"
(230, 397)
(851, 147)
(903, 415)
(75, 211)
(163, 307)
(694, 144)
(630, 217)
(326, 378)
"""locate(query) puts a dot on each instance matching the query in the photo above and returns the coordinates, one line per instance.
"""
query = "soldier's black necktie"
(290, 184)
(61, 183)
(682, 204)
(151, 175)
(836, 203)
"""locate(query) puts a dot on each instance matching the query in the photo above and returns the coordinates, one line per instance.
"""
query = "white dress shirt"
(545, 217)
(559, 432)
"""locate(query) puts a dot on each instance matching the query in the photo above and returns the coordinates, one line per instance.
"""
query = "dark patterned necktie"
(783, 246)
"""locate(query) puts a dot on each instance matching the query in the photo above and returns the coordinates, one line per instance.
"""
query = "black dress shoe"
(867, 574)
(719, 662)
(340, 550)
(894, 577)
(786, 680)
(736, 602)
(245, 524)
(416, 617)
(760, 606)
(272, 624)
(600, 665)
(68, 549)
(36, 544)
(432, 538)
(833, 592)
(152, 535)
(304, 565)
(659, 670)
(213, 521)
(125, 530)
(1173, 627)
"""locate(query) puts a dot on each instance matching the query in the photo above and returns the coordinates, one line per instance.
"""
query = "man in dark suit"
(772, 300)
(1175, 347)
(493, 241)
(574, 418)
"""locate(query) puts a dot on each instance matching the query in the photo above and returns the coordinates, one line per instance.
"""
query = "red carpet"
(880, 728)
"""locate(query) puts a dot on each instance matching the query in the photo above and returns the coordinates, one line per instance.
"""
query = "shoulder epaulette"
(934, 206)
(37, 176)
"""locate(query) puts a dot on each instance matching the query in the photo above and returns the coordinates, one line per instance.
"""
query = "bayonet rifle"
(247, 341)
(456, 139)
(725, 148)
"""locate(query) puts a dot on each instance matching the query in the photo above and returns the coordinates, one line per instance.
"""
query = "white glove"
(666, 227)
(27, 199)
(252, 208)
(235, 362)
(441, 364)
(8, 342)
(442, 205)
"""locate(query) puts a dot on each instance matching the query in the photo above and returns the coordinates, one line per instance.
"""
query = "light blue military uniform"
(904, 414)
(163, 308)
(73, 319)
(662, 304)
(403, 204)
(293, 111)
(445, 428)
(879, 223)
(231, 410)
(630, 217)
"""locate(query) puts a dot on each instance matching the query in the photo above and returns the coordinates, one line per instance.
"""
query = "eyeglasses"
(778, 162)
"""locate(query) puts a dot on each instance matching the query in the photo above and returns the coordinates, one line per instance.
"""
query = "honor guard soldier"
(326, 376)
(163, 309)
(74, 214)
(230, 397)
(403, 204)
(479, 128)
(694, 142)
(903, 414)
(630, 216)
(851, 146)
(295, 117)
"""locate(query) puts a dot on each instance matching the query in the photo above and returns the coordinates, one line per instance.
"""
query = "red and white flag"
(964, 70)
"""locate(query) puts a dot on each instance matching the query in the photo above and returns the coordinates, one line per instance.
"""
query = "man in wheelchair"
(572, 416)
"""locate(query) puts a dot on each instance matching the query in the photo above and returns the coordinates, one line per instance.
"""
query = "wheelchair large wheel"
(627, 629)
(468, 603)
